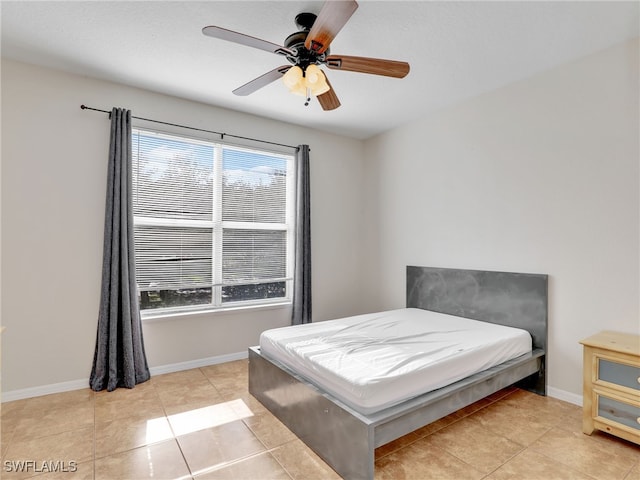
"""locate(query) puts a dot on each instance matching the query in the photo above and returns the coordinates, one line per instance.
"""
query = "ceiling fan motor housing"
(303, 57)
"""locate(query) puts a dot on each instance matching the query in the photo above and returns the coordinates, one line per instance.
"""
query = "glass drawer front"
(619, 412)
(619, 374)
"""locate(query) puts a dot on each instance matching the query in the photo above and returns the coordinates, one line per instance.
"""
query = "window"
(213, 223)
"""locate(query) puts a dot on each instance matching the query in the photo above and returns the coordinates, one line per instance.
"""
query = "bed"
(344, 430)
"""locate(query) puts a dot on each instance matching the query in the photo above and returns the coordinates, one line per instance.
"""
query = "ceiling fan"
(308, 48)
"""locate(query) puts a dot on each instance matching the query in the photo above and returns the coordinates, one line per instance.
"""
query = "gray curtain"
(302, 267)
(119, 359)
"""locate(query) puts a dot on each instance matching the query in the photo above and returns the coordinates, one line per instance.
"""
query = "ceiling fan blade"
(374, 66)
(332, 17)
(242, 39)
(329, 100)
(261, 81)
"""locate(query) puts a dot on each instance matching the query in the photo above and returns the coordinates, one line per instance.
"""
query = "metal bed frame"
(347, 439)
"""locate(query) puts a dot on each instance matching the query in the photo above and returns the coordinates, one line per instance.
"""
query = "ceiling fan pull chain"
(306, 104)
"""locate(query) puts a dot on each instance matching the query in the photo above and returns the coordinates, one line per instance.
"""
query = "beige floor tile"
(11, 415)
(599, 458)
(74, 445)
(417, 434)
(185, 378)
(10, 408)
(423, 461)
(268, 429)
(149, 408)
(231, 387)
(47, 414)
(438, 425)
(130, 432)
(302, 463)
(634, 473)
(76, 398)
(143, 400)
(396, 444)
(513, 423)
(474, 407)
(569, 419)
(501, 393)
(50, 421)
(231, 392)
(229, 379)
(6, 432)
(553, 412)
(612, 443)
(224, 432)
(239, 375)
(214, 447)
(178, 399)
(262, 466)
(470, 442)
(235, 368)
(4, 444)
(531, 465)
(158, 461)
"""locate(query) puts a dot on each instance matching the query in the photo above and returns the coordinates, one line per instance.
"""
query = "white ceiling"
(456, 50)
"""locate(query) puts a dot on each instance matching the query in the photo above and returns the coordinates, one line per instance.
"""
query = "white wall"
(540, 176)
(53, 188)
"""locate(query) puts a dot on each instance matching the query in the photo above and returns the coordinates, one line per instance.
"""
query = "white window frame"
(217, 225)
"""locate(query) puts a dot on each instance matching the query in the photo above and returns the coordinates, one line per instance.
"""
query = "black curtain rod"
(222, 135)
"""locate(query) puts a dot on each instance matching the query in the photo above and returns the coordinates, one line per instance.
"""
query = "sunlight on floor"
(206, 417)
(158, 429)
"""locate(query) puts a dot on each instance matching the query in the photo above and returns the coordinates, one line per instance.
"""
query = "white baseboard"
(84, 383)
(44, 390)
(203, 362)
(566, 396)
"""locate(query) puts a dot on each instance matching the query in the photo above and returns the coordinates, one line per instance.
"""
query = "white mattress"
(374, 361)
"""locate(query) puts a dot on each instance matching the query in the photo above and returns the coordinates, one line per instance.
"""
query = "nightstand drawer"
(611, 385)
(619, 374)
(618, 412)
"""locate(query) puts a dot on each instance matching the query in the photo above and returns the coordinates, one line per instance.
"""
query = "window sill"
(152, 317)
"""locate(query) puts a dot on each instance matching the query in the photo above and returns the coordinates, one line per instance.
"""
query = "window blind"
(208, 215)
(173, 258)
(253, 255)
(173, 178)
(253, 187)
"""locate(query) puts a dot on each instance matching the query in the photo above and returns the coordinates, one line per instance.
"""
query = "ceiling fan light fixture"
(299, 90)
(293, 77)
(311, 80)
(315, 80)
(294, 81)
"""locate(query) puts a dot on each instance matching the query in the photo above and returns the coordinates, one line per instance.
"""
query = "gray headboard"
(512, 299)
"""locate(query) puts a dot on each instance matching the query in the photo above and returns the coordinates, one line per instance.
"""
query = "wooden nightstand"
(611, 385)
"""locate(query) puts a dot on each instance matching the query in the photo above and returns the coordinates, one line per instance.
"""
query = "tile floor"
(203, 424)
